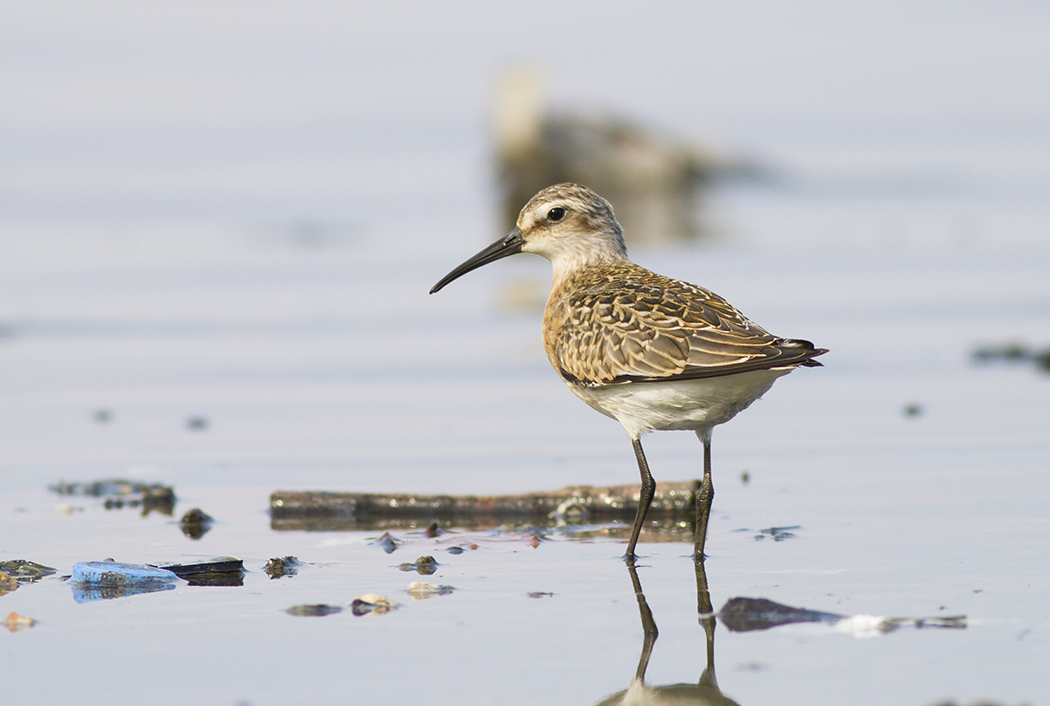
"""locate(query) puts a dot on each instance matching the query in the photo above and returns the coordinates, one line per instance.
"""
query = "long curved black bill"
(510, 245)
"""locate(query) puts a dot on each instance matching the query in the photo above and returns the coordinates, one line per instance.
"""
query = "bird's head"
(568, 224)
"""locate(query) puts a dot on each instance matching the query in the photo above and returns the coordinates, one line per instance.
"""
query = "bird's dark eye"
(556, 214)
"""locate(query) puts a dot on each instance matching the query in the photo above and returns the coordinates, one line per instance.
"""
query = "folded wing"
(648, 328)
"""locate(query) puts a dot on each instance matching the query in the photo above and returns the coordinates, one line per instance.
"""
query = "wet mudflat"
(904, 480)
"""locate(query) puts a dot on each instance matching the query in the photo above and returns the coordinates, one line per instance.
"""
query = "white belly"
(692, 405)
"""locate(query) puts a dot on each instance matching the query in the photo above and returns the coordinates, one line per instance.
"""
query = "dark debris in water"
(197, 423)
(1013, 352)
(387, 542)
(778, 534)
(747, 614)
(972, 703)
(23, 570)
(460, 548)
(196, 523)
(282, 566)
(424, 566)
(912, 410)
(313, 610)
(119, 493)
(220, 571)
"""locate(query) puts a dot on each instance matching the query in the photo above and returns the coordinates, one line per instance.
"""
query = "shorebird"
(652, 352)
(659, 182)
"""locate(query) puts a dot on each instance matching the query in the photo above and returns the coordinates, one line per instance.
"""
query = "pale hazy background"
(351, 113)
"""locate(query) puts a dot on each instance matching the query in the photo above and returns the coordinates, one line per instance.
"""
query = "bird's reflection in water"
(705, 692)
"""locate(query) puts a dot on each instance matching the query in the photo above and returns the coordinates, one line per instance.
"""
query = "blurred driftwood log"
(584, 503)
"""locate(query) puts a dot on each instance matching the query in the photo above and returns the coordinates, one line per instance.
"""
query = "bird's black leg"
(704, 496)
(648, 624)
(645, 497)
(706, 616)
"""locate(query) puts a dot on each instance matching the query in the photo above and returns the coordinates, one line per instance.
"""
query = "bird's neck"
(572, 261)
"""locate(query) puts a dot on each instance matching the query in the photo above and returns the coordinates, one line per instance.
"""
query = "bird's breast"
(677, 404)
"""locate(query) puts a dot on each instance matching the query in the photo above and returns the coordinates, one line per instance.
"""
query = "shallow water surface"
(913, 482)
(218, 226)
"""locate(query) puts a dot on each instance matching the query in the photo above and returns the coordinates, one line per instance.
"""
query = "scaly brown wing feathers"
(622, 323)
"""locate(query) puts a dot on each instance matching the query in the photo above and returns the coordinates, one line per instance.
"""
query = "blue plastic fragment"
(99, 580)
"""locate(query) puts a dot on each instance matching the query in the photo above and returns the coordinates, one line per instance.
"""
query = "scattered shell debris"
(15, 622)
(421, 590)
(118, 493)
(372, 604)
